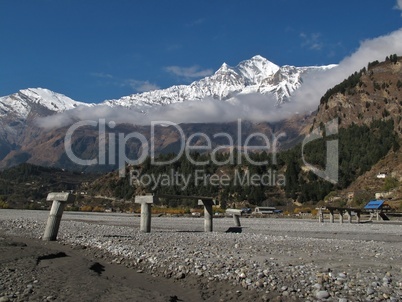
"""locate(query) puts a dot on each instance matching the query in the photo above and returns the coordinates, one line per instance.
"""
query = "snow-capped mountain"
(256, 75)
(23, 140)
(22, 103)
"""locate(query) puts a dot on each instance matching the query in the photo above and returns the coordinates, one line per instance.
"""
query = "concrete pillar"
(236, 216)
(331, 216)
(146, 205)
(56, 212)
(208, 218)
(236, 220)
(208, 213)
(53, 221)
(145, 224)
(320, 215)
(349, 212)
(340, 216)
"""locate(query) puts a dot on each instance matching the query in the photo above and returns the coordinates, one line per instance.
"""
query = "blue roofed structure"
(374, 205)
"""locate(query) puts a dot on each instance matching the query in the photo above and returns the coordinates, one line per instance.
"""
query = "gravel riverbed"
(289, 259)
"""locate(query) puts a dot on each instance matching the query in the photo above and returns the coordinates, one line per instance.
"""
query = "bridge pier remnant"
(331, 215)
(358, 216)
(208, 213)
(146, 202)
(340, 216)
(60, 199)
(320, 214)
(236, 216)
(349, 214)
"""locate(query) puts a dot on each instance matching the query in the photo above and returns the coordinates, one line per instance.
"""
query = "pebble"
(180, 276)
(322, 294)
(370, 291)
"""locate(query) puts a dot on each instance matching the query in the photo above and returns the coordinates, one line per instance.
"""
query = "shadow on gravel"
(14, 244)
(50, 256)
(234, 230)
(117, 236)
(97, 268)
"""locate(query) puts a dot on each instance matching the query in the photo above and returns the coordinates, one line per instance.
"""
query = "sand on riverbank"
(34, 270)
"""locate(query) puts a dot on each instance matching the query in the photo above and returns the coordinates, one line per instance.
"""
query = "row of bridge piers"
(146, 201)
(349, 212)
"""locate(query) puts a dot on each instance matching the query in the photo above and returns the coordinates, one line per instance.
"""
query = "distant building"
(382, 195)
(264, 210)
(350, 196)
(381, 175)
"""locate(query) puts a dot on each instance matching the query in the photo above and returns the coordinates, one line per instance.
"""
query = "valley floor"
(101, 257)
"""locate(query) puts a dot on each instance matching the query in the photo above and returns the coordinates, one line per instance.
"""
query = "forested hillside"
(26, 185)
(360, 147)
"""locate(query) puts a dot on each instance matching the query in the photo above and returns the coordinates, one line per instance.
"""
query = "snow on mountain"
(256, 75)
(22, 103)
(257, 69)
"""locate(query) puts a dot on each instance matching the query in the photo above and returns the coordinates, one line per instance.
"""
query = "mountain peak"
(21, 103)
(224, 68)
(257, 69)
(258, 58)
(255, 75)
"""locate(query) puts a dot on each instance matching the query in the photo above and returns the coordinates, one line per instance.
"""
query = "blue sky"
(97, 50)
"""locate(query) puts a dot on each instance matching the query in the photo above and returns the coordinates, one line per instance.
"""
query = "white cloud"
(137, 85)
(101, 75)
(196, 22)
(189, 72)
(314, 88)
(311, 41)
(257, 106)
(398, 5)
(141, 86)
(173, 47)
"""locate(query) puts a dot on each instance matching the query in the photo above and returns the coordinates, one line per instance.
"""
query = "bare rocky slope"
(374, 93)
